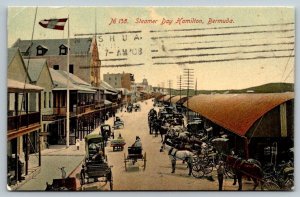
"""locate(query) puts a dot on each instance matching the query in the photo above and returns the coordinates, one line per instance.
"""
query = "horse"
(244, 168)
(174, 154)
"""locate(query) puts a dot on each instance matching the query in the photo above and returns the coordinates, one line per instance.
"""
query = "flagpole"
(68, 92)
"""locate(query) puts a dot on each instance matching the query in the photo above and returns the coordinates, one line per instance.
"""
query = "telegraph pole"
(179, 83)
(188, 76)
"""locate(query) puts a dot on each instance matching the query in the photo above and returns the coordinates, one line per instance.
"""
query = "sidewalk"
(53, 158)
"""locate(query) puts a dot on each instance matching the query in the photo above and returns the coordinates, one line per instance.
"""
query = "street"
(156, 176)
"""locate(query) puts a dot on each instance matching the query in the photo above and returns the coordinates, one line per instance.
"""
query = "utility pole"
(188, 76)
(179, 83)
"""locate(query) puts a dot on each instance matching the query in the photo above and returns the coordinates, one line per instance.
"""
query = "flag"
(58, 24)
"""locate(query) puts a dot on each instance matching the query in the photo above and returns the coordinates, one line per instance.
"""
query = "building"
(23, 119)
(254, 122)
(119, 80)
(40, 75)
(84, 56)
(82, 103)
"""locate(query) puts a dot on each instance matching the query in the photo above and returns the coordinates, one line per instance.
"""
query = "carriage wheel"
(125, 161)
(145, 160)
(197, 171)
(208, 169)
(270, 186)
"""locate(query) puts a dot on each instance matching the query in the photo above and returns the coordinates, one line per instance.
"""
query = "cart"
(118, 123)
(95, 171)
(134, 154)
(117, 144)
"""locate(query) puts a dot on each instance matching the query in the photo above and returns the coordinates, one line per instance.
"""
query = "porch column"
(39, 147)
(27, 147)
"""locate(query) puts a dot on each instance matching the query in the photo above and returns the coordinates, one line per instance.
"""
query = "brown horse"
(242, 168)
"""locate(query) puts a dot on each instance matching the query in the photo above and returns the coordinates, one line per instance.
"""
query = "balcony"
(61, 111)
(23, 121)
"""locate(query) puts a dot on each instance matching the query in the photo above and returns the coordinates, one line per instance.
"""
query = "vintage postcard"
(150, 98)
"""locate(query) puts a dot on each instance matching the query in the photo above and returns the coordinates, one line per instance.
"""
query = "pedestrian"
(220, 171)
(77, 144)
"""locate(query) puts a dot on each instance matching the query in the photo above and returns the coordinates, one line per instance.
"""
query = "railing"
(61, 111)
(24, 120)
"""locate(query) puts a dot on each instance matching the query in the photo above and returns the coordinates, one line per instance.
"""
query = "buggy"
(134, 154)
(95, 171)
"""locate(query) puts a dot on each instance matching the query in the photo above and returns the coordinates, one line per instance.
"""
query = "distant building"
(119, 80)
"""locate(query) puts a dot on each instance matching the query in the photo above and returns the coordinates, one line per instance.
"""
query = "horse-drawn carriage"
(64, 184)
(134, 154)
(95, 167)
(118, 123)
(106, 132)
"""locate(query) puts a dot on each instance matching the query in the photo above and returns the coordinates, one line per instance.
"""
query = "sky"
(255, 46)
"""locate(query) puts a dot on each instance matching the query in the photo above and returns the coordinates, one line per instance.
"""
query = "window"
(50, 99)
(56, 67)
(71, 68)
(63, 50)
(45, 98)
(54, 100)
(41, 50)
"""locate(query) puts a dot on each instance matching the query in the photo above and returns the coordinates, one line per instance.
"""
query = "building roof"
(178, 99)
(11, 53)
(108, 87)
(77, 45)
(236, 112)
(60, 80)
(16, 86)
(35, 67)
(167, 98)
(159, 96)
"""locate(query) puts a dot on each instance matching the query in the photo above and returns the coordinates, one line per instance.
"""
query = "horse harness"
(170, 152)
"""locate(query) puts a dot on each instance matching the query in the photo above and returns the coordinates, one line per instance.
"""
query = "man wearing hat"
(220, 171)
(137, 142)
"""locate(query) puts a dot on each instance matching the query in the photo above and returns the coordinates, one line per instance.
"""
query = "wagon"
(95, 171)
(105, 131)
(117, 144)
(118, 123)
(134, 154)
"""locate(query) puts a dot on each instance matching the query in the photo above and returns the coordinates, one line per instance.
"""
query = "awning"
(236, 112)
(178, 99)
(109, 92)
(167, 98)
(107, 102)
(17, 86)
(163, 98)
